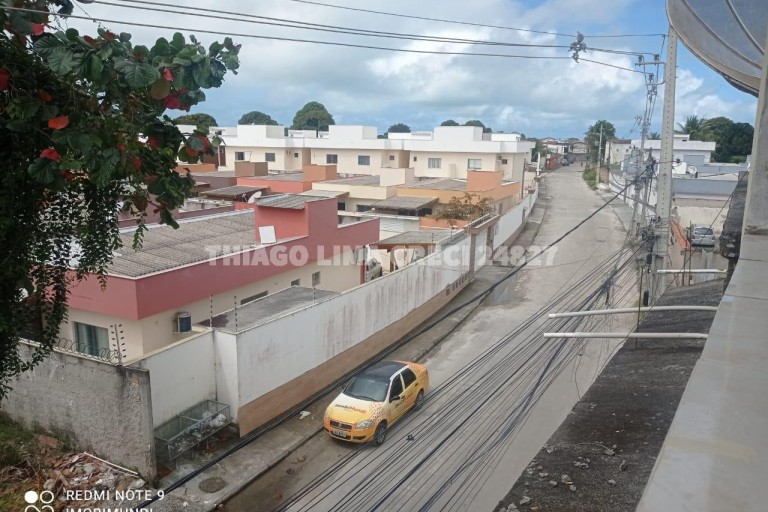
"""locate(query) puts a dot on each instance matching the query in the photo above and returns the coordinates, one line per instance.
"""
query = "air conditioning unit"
(182, 322)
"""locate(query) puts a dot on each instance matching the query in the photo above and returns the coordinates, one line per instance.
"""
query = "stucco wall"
(191, 380)
(104, 409)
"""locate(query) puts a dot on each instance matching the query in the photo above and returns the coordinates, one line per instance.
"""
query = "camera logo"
(45, 498)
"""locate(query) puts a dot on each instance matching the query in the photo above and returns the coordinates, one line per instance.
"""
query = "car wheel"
(419, 400)
(380, 435)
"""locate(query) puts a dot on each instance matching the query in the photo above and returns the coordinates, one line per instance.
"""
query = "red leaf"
(168, 75)
(121, 147)
(38, 29)
(4, 77)
(172, 101)
(44, 96)
(50, 154)
(136, 161)
(57, 123)
(153, 142)
(91, 41)
(110, 36)
(189, 151)
(68, 175)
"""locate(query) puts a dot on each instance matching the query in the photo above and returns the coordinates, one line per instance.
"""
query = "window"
(391, 158)
(414, 159)
(341, 206)
(90, 339)
(295, 155)
(397, 387)
(331, 159)
(315, 278)
(253, 297)
(364, 207)
(269, 157)
(408, 377)
(363, 160)
(503, 161)
(296, 282)
(474, 163)
(434, 163)
(239, 155)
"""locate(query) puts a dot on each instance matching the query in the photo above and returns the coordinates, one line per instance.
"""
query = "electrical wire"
(283, 22)
(438, 20)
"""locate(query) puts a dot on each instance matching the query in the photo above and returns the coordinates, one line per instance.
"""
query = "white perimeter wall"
(181, 375)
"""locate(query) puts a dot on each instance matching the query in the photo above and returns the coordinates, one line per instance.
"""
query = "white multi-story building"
(446, 152)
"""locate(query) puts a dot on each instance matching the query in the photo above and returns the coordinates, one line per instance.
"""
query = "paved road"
(470, 441)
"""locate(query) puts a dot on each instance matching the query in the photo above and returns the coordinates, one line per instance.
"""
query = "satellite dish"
(727, 36)
(254, 197)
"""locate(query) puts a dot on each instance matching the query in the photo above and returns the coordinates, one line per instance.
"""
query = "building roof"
(356, 180)
(289, 201)
(285, 176)
(422, 237)
(233, 192)
(703, 187)
(268, 308)
(215, 174)
(439, 184)
(404, 203)
(324, 193)
(165, 248)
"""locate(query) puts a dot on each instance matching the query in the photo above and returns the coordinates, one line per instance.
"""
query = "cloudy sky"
(539, 97)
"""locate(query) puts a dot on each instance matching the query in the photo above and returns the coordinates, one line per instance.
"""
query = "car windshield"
(703, 231)
(367, 388)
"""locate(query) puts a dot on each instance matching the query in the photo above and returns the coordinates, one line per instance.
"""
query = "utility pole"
(664, 195)
(599, 151)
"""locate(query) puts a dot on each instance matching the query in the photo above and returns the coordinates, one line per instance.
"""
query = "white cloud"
(537, 96)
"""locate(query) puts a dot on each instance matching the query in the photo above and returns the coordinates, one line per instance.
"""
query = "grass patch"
(590, 176)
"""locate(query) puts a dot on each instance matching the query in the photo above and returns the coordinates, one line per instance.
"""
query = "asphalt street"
(499, 389)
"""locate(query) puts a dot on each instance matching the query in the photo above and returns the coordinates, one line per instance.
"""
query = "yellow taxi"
(376, 399)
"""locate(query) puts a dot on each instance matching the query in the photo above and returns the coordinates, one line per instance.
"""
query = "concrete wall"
(182, 376)
(104, 409)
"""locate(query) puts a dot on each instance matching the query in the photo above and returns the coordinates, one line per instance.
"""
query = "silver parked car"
(701, 235)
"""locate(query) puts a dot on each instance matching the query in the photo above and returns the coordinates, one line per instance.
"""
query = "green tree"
(256, 117)
(196, 120)
(539, 148)
(592, 137)
(83, 125)
(312, 116)
(469, 207)
(736, 145)
(449, 122)
(694, 126)
(654, 136)
(399, 128)
(479, 124)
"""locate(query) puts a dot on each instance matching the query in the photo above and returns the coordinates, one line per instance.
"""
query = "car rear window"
(703, 231)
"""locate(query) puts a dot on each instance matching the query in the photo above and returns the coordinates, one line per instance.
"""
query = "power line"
(438, 20)
(303, 25)
(289, 39)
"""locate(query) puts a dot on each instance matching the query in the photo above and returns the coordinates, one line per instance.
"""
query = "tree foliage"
(83, 125)
(475, 122)
(449, 122)
(592, 137)
(733, 141)
(200, 119)
(256, 117)
(468, 207)
(312, 116)
(399, 128)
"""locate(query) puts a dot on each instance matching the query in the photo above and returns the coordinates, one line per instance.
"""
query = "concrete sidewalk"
(248, 463)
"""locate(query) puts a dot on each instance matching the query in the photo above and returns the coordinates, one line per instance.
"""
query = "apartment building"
(626, 152)
(445, 152)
